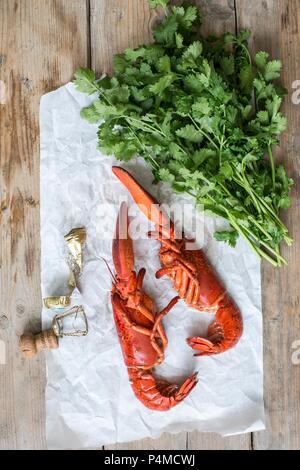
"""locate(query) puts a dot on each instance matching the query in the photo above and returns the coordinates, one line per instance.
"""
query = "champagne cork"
(31, 345)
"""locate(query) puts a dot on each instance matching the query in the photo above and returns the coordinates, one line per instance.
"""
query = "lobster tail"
(159, 395)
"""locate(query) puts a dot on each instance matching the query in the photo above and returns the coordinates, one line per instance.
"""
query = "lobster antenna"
(114, 279)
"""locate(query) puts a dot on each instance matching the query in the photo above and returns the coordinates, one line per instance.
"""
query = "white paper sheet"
(89, 402)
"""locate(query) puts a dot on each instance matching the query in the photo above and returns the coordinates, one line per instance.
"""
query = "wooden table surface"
(42, 42)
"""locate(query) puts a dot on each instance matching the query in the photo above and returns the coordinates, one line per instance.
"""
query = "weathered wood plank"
(115, 25)
(211, 441)
(275, 25)
(42, 42)
(165, 442)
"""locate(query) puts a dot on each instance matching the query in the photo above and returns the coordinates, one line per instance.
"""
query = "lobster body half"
(192, 276)
(141, 334)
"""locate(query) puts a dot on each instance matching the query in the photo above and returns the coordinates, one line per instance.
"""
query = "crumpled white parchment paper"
(89, 402)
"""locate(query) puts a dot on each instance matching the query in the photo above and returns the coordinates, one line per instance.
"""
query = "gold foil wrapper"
(57, 302)
(75, 241)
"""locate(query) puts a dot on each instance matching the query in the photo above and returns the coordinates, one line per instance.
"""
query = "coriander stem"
(203, 133)
(261, 242)
(255, 247)
(153, 162)
(272, 164)
(259, 251)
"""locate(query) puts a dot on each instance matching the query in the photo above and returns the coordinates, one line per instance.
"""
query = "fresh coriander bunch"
(205, 115)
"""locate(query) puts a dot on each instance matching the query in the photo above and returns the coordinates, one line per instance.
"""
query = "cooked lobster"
(141, 334)
(192, 275)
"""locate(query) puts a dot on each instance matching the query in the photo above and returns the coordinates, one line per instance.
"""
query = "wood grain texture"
(115, 25)
(275, 25)
(42, 42)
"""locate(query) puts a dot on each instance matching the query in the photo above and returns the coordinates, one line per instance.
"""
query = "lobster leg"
(158, 394)
(143, 309)
(162, 314)
(223, 333)
(118, 303)
(157, 236)
(177, 264)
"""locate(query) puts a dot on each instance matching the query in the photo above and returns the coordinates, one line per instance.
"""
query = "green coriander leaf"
(119, 63)
(164, 33)
(246, 77)
(152, 53)
(85, 81)
(118, 94)
(243, 35)
(201, 107)
(246, 111)
(179, 187)
(105, 110)
(179, 40)
(196, 83)
(273, 106)
(200, 156)
(272, 70)
(206, 68)
(194, 50)
(203, 79)
(185, 173)
(190, 133)
(146, 71)
(132, 55)
(226, 170)
(228, 236)
(261, 59)
(249, 158)
(138, 94)
(158, 3)
(90, 114)
(227, 65)
(190, 15)
(283, 178)
(229, 38)
(165, 175)
(263, 117)
(164, 64)
(284, 202)
(183, 104)
(279, 124)
(162, 84)
(176, 151)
